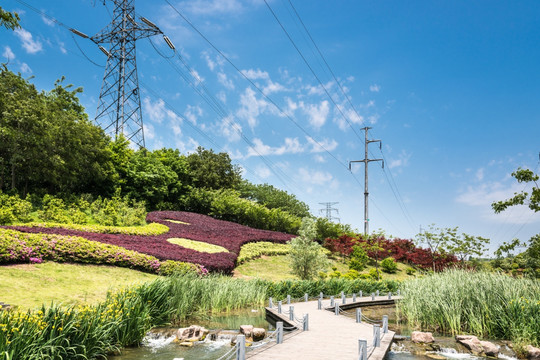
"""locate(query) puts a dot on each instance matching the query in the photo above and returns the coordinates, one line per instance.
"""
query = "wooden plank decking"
(329, 336)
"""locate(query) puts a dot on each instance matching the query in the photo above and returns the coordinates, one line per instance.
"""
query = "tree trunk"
(13, 176)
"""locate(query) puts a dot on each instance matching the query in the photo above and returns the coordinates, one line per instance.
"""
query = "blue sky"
(450, 87)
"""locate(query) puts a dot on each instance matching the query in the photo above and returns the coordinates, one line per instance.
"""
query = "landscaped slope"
(186, 225)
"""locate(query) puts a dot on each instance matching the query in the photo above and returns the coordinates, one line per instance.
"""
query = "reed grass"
(490, 305)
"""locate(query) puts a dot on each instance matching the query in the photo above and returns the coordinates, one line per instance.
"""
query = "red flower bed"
(201, 228)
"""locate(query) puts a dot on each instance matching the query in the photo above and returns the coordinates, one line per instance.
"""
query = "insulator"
(104, 51)
(148, 22)
(77, 32)
(168, 41)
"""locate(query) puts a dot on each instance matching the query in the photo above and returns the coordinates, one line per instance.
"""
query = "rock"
(258, 334)
(471, 343)
(246, 330)
(532, 352)
(422, 337)
(191, 334)
(490, 349)
(186, 343)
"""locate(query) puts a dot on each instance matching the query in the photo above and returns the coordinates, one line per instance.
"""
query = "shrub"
(389, 265)
(255, 250)
(197, 245)
(14, 209)
(359, 258)
(375, 274)
(410, 271)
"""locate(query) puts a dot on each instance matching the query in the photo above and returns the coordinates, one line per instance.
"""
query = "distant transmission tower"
(119, 109)
(328, 208)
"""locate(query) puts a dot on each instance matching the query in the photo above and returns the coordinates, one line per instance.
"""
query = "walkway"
(329, 336)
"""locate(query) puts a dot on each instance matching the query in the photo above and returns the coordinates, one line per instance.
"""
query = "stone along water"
(159, 344)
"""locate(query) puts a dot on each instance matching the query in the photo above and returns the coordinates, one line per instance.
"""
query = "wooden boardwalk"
(329, 336)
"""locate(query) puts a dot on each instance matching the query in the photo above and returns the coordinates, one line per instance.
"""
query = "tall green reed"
(485, 304)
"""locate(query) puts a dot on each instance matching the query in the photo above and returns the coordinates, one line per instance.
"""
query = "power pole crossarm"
(366, 161)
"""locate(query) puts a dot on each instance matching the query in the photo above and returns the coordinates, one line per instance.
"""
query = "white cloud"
(319, 159)
(28, 43)
(8, 54)
(229, 129)
(149, 132)
(317, 113)
(273, 87)
(263, 172)
(480, 174)
(290, 146)
(213, 7)
(156, 110)
(256, 74)
(322, 145)
(222, 78)
(402, 160)
(483, 195)
(251, 107)
(187, 147)
(315, 177)
(62, 47)
(374, 88)
(192, 113)
(25, 69)
(47, 21)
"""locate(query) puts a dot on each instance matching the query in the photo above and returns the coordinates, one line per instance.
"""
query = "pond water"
(160, 345)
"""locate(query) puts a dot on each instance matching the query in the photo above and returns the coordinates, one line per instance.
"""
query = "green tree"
(532, 200)
(213, 171)
(464, 246)
(306, 256)
(274, 198)
(9, 20)
(436, 239)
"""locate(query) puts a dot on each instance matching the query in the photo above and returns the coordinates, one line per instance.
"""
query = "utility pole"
(328, 208)
(119, 109)
(366, 161)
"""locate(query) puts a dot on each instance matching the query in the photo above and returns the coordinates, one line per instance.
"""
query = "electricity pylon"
(366, 161)
(119, 108)
(329, 210)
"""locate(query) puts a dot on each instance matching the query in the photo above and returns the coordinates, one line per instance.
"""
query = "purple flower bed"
(201, 228)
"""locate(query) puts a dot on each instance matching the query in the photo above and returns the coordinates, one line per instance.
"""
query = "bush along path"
(228, 235)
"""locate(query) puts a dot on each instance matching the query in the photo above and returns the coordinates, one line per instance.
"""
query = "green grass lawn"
(277, 268)
(30, 286)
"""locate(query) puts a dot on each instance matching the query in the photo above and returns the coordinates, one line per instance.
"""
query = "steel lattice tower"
(119, 109)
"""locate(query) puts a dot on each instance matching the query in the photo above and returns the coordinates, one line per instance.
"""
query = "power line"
(281, 111)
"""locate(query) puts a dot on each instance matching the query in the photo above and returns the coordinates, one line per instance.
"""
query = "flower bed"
(203, 228)
(16, 247)
(150, 229)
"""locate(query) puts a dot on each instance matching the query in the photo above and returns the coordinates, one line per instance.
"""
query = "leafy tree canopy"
(9, 20)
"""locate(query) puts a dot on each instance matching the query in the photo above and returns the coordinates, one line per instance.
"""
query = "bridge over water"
(329, 336)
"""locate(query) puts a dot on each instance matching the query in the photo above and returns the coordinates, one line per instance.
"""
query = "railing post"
(331, 301)
(343, 298)
(377, 292)
(362, 349)
(398, 292)
(279, 307)
(376, 335)
(270, 303)
(288, 299)
(291, 312)
(358, 315)
(279, 329)
(241, 347)
(306, 322)
(372, 296)
(354, 297)
(319, 305)
(306, 297)
(336, 309)
(321, 295)
(360, 293)
(385, 324)
(389, 296)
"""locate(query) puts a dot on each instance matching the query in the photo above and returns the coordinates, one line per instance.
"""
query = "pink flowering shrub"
(199, 227)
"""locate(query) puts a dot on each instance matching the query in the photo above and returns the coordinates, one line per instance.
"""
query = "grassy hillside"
(30, 286)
